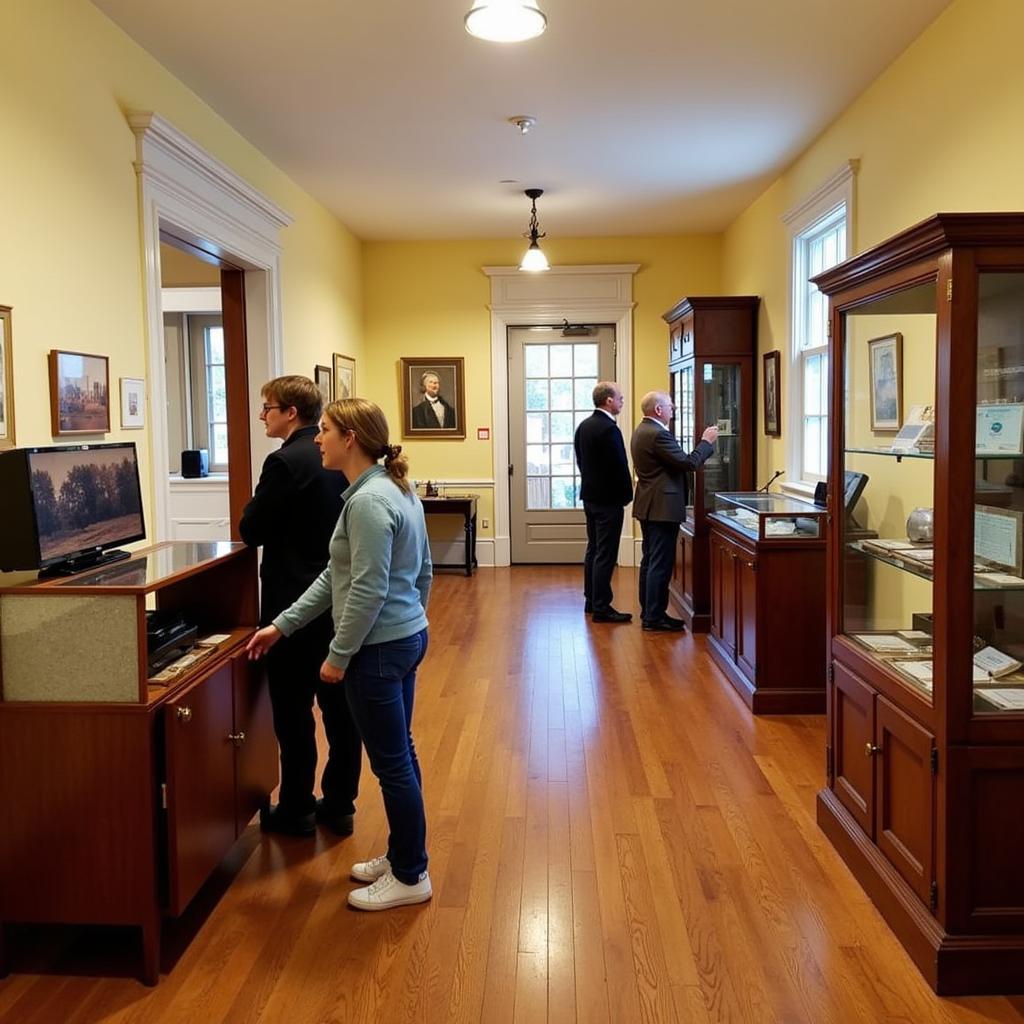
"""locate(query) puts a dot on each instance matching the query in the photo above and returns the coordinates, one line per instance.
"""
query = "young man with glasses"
(293, 513)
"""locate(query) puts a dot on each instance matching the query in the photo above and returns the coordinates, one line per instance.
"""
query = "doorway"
(551, 381)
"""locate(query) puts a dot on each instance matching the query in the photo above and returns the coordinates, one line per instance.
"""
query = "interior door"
(551, 384)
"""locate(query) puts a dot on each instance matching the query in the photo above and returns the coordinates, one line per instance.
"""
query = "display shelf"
(919, 569)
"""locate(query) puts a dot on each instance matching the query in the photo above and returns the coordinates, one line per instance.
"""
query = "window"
(820, 240)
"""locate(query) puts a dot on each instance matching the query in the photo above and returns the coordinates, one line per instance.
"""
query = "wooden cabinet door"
(200, 762)
(905, 796)
(746, 615)
(729, 560)
(853, 746)
(718, 558)
(255, 744)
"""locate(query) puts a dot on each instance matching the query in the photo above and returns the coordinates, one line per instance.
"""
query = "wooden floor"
(613, 838)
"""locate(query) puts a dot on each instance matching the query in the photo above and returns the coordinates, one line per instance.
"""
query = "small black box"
(195, 462)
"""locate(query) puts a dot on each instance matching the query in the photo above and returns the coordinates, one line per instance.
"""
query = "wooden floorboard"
(613, 839)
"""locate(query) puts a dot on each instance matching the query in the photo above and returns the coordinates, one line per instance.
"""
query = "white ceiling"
(656, 116)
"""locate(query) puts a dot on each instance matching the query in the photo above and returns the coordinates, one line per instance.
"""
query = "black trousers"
(659, 552)
(604, 527)
(293, 673)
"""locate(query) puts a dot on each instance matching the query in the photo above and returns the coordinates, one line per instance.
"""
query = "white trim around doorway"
(580, 294)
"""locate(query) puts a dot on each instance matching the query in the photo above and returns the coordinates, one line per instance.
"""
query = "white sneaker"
(388, 892)
(370, 870)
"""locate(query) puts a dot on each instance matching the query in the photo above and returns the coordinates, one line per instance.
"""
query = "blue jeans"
(380, 683)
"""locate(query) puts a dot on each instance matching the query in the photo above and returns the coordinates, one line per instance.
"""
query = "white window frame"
(805, 221)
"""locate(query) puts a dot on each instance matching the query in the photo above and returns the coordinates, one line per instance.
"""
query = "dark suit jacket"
(601, 456)
(424, 416)
(661, 468)
(292, 513)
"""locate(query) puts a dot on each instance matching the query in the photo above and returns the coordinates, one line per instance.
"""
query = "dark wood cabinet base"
(776, 701)
(952, 964)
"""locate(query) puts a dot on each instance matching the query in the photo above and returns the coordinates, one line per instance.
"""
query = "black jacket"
(292, 514)
(601, 456)
(423, 417)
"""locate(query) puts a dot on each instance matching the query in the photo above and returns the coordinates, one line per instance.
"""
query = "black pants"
(604, 527)
(293, 672)
(659, 552)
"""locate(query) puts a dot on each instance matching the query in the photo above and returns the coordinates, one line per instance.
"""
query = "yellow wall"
(431, 298)
(70, 255)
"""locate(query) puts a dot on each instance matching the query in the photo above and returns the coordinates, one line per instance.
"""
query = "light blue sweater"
(377, 581)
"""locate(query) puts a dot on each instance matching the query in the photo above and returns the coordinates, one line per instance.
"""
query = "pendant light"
(505, 21)
(534, 261)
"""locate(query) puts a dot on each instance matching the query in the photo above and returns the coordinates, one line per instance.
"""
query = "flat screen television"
(66, 507)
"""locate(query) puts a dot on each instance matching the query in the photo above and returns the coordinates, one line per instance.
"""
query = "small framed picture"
(344, 377)
(772, 395)
(885, 356)
(133, 403)
(433, 402)
(79, 393)
(324, 380)
(6, 381)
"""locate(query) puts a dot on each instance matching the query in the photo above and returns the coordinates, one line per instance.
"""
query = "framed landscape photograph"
(433, 397)
(885, 357)
(772, 395)
(324, 380)
(133, 403)
(344, 377)
(6, 381)
(79, 393)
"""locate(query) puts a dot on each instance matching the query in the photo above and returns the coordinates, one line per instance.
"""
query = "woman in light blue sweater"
(377, 584)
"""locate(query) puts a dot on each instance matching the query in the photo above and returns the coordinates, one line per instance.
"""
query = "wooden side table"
(462, 505)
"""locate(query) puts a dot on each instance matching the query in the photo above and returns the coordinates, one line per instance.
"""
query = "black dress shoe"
(340, 824)
(612, 616)
(664, 626)
(679, 623)
(273, 819)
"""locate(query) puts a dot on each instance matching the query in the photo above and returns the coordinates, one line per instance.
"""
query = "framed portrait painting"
(324, 380)
(344, 377)
(885, 357)
(772, 395)
(79, 393)
(133, 403)
(433, 397)
(6, 381)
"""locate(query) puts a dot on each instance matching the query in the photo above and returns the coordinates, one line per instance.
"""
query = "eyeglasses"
(266, 408)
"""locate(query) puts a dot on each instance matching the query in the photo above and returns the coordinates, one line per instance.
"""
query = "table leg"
(468, 528)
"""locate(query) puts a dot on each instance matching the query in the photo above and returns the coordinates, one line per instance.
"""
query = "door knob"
(184, 714)
(870, 749)
(238, 738)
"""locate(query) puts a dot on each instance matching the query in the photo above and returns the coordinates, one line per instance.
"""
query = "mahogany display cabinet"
(119, 794)
(767, 618)
(712, 350)
(925, 755)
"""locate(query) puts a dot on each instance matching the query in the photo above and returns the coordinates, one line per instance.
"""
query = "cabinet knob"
(238, 738)
(184, 714)
(870, 749)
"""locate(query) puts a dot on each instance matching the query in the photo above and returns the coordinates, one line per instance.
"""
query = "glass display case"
(769, 517)
(712, 345)
(926, 590)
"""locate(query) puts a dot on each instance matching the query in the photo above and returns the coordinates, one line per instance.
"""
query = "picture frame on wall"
(133, 403)
(324, 380)
(6, 380)
(433, 397)
(772, 395)
(344, 377)
(885, 359)
(79, 393)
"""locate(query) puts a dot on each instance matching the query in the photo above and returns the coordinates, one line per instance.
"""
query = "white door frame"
(580, 294)
(185, 190)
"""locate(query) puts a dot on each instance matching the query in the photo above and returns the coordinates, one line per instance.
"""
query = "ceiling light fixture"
(534, 261)
(524, 122)
(505, 21)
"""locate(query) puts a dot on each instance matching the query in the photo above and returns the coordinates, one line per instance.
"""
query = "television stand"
(83, 563)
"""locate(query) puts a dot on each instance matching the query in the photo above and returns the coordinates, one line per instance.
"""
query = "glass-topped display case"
(768, 517)
(712, 345)
(926, 589)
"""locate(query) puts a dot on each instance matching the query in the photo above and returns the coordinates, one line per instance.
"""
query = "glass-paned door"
(721, 405)
(551, 385)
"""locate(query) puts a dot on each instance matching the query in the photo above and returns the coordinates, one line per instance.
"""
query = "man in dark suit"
(606, 488)
(433, 412)
(293, 513)
(662, 489)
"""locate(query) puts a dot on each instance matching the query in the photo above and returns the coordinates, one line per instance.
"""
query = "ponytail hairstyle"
(367, 422)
